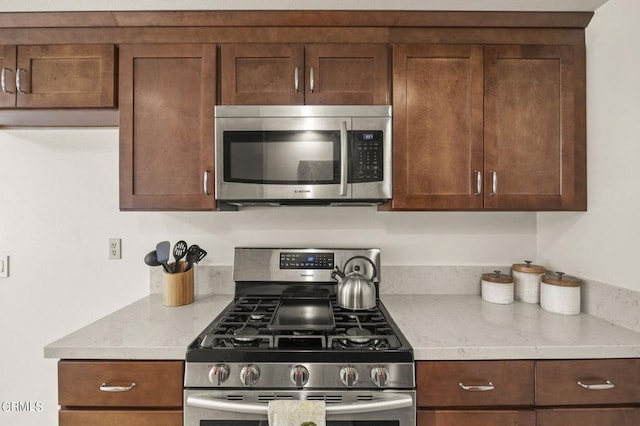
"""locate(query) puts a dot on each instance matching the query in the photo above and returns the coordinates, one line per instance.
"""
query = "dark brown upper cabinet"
(167, 96)
(57, 76)
(312, 74)
(493, 127)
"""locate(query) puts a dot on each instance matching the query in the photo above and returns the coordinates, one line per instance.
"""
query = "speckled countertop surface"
(439, 327)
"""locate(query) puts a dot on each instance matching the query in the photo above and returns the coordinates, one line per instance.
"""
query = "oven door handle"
(203, 401)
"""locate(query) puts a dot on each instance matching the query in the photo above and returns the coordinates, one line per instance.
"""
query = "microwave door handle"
(343, 158)
(386, 404)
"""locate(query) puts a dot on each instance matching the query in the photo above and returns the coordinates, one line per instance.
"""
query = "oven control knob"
(249, 375)
(348, 376)
(299, 375)
(218, 374)
(379, 376)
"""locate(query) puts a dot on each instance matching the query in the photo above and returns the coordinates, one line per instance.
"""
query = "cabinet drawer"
(157, 383)
(623, 416)
(120, 417)
(476, 418)
(475, 383)
(575, 382)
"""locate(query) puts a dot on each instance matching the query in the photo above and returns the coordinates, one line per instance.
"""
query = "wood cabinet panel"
(557, 382)
(440, 383)
(120, 418)
(618, 416)
(476, 418)
(437, 103)
(8, 69)
(157, 383)
(66, 76)
(167, 96)
(530, 127)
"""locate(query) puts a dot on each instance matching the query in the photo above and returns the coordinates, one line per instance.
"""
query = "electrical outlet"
(4, 266)
(115, 248)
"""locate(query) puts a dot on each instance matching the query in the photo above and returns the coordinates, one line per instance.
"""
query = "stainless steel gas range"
(284, 337)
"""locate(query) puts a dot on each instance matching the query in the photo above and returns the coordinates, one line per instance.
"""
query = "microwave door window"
(282, 157)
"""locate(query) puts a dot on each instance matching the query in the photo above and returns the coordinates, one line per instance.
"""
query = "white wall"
(602, 244)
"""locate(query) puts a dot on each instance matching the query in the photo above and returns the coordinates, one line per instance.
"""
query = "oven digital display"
(315, 260)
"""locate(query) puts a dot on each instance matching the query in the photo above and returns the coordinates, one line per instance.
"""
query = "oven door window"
(282, 157)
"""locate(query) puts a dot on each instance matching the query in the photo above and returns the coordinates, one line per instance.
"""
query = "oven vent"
(267, 398)
(325, 398)
(364, 397)
(235, 398)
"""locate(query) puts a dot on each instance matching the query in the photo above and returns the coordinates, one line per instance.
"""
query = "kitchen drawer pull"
(106, 388)
(3, 80)
(478, 182)
(597, 386)
(312, 80)
(205, 182)
(296, 80)
(18, 81)
(494, 182)
(477, 388)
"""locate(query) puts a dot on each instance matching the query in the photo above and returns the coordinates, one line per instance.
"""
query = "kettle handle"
(375, 271)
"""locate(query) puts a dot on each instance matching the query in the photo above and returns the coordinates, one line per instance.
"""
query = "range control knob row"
(299, 375)
(249, 375)
(218, 374)
(379, 376)
(348, 376)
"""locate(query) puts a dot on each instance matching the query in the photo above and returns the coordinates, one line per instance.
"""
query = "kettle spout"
(337, 275)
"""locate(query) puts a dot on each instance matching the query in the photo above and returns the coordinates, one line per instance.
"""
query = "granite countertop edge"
(439, 327)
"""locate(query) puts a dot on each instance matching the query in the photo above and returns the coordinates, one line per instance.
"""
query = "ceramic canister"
(497, 288)
(560, 294)
(526, 281)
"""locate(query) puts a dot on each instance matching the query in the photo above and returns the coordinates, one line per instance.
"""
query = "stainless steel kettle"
(355, 290)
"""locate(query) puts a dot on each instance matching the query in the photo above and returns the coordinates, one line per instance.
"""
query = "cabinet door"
(262, 74)
(534, 135)
(437, 136)
(66, 76)
(346, 74)
(476, 418)
(8, 69)
(618, 416)
(167, 96)
(95, 417)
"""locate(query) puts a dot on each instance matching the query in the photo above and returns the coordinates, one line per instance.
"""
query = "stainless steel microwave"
(301, 154)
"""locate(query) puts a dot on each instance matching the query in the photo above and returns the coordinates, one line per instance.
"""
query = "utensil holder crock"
(177, 288)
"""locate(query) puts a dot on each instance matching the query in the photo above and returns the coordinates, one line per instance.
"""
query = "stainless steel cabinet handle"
(18, 82)
(343, 158)
(106, 388)
(597, 386)
(3, 80)
(494, 182)
(205, 182)
(394, 403)
(296, 80)
(478, 182)
(477, 388)
(312, 80)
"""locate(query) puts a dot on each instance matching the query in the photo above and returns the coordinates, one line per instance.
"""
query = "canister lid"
(559, 278)
(497, 277)
(528, 267)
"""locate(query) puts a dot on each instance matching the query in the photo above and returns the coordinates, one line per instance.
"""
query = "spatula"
(163, 251)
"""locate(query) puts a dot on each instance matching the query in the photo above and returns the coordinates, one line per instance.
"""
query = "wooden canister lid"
(559, 278)
(497, 277)
(528, 268)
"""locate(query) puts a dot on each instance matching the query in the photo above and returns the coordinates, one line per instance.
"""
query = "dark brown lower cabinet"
(476, 418)
(622, 416)
(120, 417)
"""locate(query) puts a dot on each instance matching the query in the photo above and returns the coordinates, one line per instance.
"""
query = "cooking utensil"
(151, 259)
(179, 251)
(355, 290)
(163, 249)
(194, 255)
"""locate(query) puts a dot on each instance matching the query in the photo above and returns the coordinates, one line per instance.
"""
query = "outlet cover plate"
(4, 266)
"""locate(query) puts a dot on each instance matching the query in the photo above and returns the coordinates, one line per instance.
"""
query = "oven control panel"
(308, 260)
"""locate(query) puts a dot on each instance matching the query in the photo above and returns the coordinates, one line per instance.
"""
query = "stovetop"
(268, 328)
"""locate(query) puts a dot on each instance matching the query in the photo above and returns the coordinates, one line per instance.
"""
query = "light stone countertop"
(439, 327)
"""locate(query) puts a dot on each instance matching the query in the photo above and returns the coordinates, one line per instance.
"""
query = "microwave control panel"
(366, 156)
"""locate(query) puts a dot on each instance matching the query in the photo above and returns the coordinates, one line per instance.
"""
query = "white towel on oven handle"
(297, 413)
